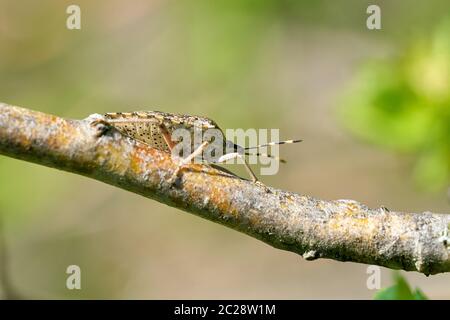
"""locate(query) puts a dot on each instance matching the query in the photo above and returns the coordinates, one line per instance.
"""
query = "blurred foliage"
(404, 104)
(400, 291)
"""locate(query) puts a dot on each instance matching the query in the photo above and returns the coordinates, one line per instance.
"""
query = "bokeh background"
(373, 108)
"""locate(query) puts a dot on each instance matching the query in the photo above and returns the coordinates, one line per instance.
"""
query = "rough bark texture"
(343, 230)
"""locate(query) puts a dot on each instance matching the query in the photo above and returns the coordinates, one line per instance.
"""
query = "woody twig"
(342, 230)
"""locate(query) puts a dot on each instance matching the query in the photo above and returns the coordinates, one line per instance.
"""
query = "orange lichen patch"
(321, 206)
(222, 202)
(60, 140)
(360, 233)
(136, 162)
(284, 205)
(111, 157)
(360, 223)
(290, 199)
(349, 208)
(335, 224)
(340, 222)
(352, 207)
(352, 212)
(204, 175)
(141, 156)
(24, 140)
(285, 200)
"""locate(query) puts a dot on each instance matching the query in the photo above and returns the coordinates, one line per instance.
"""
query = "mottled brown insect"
(155, 128)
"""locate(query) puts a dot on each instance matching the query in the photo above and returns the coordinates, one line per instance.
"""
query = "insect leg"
(234, 155)
(101, 125)
(166, 136)
(187, 160)
(194, 154)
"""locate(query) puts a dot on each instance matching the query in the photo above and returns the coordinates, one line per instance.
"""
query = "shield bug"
(157, 128)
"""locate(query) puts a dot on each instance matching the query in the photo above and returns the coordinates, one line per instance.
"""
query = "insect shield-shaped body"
(179, 134)
(184, 136)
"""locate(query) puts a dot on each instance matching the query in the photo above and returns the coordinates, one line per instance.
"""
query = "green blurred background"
(373, 108)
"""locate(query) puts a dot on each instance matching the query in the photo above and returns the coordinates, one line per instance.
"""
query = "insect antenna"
(273, 143)
(258, 154)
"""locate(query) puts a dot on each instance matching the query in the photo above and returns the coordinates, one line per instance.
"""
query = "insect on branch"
(342, 230)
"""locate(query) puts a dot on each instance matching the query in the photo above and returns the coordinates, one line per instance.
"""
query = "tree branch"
(342, 230)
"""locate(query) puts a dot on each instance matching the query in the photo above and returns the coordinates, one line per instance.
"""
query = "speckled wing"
(145, 126)
(139, 126)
